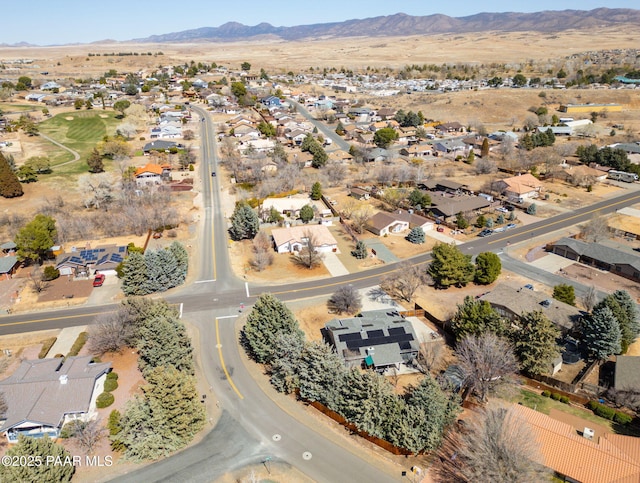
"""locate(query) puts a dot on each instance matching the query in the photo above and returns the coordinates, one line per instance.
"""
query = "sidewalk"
(65, 340)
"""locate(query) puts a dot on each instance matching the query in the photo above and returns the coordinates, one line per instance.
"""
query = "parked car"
(99, 280)
(510, 225)
(486, 232)
(213, 173)
(528, 286)
(502, 209)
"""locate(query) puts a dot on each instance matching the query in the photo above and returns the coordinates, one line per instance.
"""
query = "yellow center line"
(224, 367)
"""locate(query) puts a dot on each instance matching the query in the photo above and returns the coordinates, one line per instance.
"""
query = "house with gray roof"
(8, 265)
(102, 259)
(448, 206)
(625, 264)
(627, 373)
(450, 146)
(379, 338)
(43, 395)
(511, 302)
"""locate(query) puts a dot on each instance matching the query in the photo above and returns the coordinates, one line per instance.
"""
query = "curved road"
(247, 431)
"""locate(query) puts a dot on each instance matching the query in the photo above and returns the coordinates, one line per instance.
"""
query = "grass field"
(78, 130)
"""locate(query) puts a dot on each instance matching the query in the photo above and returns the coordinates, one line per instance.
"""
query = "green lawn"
(81, 134)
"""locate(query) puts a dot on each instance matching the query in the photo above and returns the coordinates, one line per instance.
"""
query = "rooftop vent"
(63, 379)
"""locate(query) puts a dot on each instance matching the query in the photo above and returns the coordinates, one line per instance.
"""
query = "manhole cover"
(306, 455)
(276, 437)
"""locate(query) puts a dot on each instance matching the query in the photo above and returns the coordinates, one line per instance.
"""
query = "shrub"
(546, 394)
(50, 273)
(69, 429)
(622, 418)
(602, 410)
(46, 347)
(104, 400)
(555, 396)
(112, 375)
(78, 344)
(565, 399)
(110, 385)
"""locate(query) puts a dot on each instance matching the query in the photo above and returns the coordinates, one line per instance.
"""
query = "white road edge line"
(246, 286)
(205, 281)
(227, 317)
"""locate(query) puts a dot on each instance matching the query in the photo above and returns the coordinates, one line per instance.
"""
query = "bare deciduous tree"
(405, 281)
(485, 166)
(38, 283)
(497, 445)
(111, 331)
(346, 299)
(88, 435)
(360, 217)
(590, 299)
(596, 229)
(262, 252)
(429, 355)
(309, 256)
(485, 360)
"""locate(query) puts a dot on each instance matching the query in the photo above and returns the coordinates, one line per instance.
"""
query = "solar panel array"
(98, 256)
(355, 341)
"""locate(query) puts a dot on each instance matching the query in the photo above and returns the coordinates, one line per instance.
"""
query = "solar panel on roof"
(102, 249)
(391, 339)
(116, 258)
(122, 249)
(349, 337)
(375, 333)
(396, 330)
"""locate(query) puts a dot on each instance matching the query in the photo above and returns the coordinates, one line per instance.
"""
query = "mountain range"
(404, 25)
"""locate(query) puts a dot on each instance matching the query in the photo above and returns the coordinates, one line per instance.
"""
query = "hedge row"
(556, 397)
(46, 347)
(78, 344)
(609, 413)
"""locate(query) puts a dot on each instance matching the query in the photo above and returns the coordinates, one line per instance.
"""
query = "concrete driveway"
(382, 252)
(334, 265)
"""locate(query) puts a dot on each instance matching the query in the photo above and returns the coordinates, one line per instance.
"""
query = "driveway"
(552, 262)
(382, 252)
(334, 265)
(442, 237)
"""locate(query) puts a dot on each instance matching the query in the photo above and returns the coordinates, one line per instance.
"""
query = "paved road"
(322, 127)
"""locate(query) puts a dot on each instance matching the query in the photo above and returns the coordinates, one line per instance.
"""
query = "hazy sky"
(47, 22)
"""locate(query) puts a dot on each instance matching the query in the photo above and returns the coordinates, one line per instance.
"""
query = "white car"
(502, 209)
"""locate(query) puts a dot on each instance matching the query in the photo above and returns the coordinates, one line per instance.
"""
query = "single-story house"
(627, 373)
(417, 150)
(581, 174)
(152, 174)
(35, 97)
(8, 248)
(291, 205)
(49, 86)
(449, 206)
(623, 263)
(295, 238)
(450, 146)
(522, 187)
(376, 154)
(556, 130)
(160, 145)
(8, 266)
(359, 193)
(380, 339)
(42, 395)
(511, 302)
(446, 185)
(612, 458)
(449, 127)
(384, 223)
(102, 259)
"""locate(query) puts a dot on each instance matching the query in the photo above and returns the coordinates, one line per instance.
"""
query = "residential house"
(520, 188)
(35, 97)
(359, 194)
(385, 113)
(364, 138)
(160, 145)
(295, 238)
(580, 175)
(611, 458)
(449, 206)
(512, 302)
(450, 146)
(152, 174)
(556, 130)
(450, 127)
(49, 86)
(42, 395)
(376, 155)
(379, 339)
(623, 263)
(290, 206)
(444, 185)
(296, 136)
(8, 248)
(8, 266)
(340, 156)
(627, 373)
(271, 102)
(384, 223)
(246, 130)
(82, 263)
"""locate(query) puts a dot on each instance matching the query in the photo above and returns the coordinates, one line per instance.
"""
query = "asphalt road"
(245, 433)
(326, 131)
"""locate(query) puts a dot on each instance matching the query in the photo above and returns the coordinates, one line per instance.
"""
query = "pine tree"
(182, 260)
(623, 309)
(461, 221)
(36, 237)
(601, 333)
(450, 266)
(284, 368)
(488, 268)
(10, 186)
(134, 279)
(476, 317)
(416, 235)
(33, 450)
(177, 394)
(535, 343)
(306, 213)
(360, 251)
(244, 223)
(321, 373)
(316, 191)
(565, 293)
(267, 320)
(95, 163)
(480, 221)
(484, 151)
(163, 341)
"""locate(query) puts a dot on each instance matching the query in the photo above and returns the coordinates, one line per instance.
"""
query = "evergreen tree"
(95, 163)
(488, 222)
(10, 186)
(34, 450)
(163, 341)
(156, 279)
(535, 343)
(306, 213)
(623, 309)
(461, 221)
(36, 237)
(267, 320)
(532, 209)
(500, 219)
(416, 235)
(177, 394)
(488, 268)
(134, 278)
(450, 266)
(316, 191)
(601, 333)
(476, 317)
(481, 221)
(244, 223)
(484, 150)
(286, 360)
(419, 198)
(565, 293)
(321, 373)
(340, 129)
(629, 307)
(360, 251)
(182, 262)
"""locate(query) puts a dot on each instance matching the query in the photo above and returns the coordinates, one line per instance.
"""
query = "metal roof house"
(380, 338)
(42, 395)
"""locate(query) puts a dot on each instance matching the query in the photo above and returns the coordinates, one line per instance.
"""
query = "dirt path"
(76, 156)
